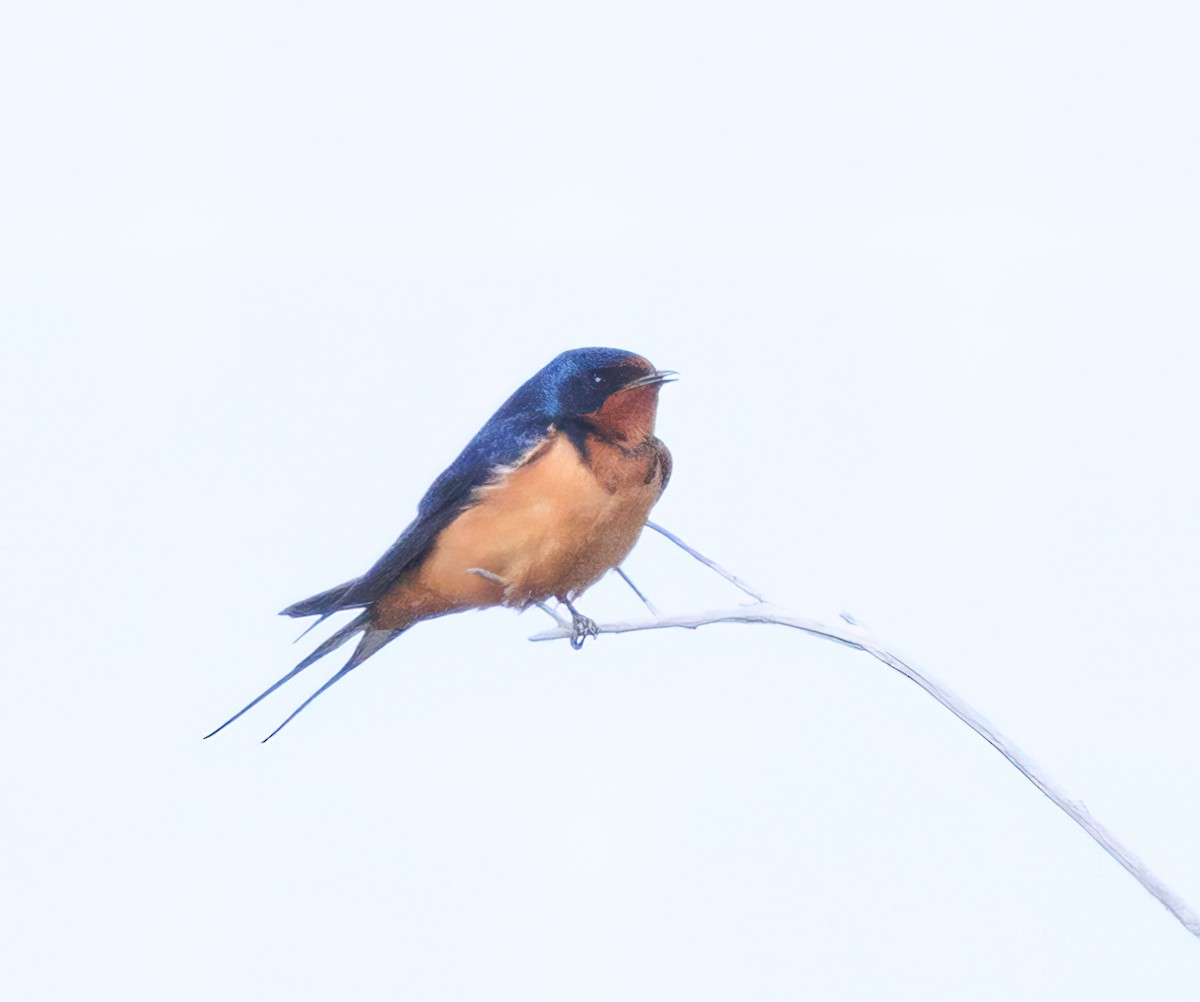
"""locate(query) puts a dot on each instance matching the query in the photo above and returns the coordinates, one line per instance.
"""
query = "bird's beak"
(656, 378)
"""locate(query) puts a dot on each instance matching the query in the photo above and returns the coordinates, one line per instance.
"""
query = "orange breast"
(550, 528)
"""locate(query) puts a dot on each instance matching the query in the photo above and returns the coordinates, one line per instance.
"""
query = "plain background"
(929, 272)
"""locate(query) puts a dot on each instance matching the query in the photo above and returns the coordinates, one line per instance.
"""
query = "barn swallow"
(550, 495)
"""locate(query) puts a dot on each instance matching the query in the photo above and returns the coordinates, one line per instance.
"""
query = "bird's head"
(614, 390)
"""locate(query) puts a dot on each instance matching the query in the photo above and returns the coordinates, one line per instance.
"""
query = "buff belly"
(550, 528)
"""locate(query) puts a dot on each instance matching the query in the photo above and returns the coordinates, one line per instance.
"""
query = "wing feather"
(510, 439)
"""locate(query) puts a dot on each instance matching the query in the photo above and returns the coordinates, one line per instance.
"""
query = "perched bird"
(550, 494)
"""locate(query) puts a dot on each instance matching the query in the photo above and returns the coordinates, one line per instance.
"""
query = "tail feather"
(358, 624)
(324, 604)
(312, 626)
(371, 642)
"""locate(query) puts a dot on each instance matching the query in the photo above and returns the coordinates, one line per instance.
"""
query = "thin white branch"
(707, 562)
(855, 636)
(637, 591)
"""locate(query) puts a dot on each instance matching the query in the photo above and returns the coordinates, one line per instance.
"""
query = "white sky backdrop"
(930, 274)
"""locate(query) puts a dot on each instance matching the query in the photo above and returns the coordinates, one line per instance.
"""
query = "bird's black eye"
(587, 389)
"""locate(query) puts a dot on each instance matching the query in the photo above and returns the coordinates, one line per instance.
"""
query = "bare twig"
(637, 591)
(735, 581)
(853, 635)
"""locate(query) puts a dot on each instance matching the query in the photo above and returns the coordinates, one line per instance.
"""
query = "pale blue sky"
(929, 273)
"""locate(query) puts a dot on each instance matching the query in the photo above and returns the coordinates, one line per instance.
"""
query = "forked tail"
(372, 640)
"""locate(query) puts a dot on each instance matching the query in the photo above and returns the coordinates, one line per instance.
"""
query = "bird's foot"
(581, 627)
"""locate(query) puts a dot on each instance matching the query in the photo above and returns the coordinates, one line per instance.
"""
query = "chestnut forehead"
(630, 362)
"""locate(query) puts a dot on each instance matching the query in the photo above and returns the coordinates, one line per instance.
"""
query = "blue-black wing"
(508, 437)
